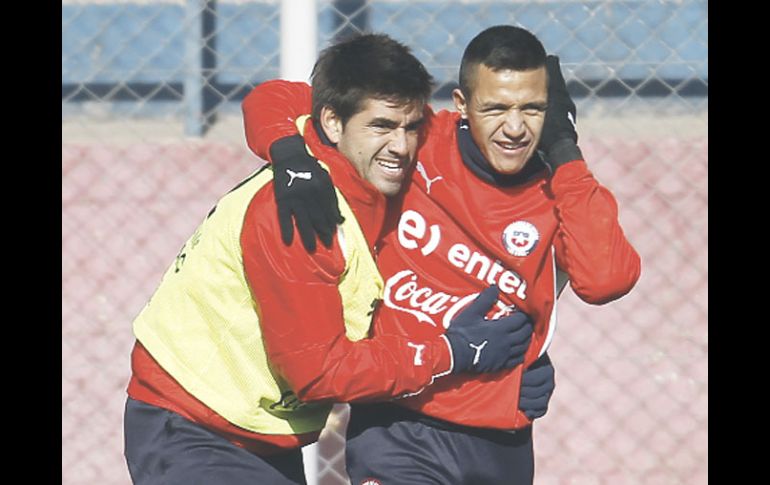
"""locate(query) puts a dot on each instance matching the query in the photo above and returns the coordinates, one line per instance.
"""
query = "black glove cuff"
(542, 361)
(563, 151)
(288, 148)
(460, 358)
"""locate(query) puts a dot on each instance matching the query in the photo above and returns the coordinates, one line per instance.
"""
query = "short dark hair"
(500, 47)
(367, 66)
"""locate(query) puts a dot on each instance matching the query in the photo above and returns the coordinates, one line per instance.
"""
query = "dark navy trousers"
(164, 448)
(388, 445)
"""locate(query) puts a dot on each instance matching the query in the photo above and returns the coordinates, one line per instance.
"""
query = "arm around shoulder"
(269, 113)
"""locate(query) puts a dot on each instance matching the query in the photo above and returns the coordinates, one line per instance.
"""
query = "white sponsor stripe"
(343, 243)
(560, 280)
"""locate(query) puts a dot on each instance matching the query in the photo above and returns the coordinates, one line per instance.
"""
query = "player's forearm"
(305, 337)
(269, 112)
(591, 245)
(375, 369)
(306, 340)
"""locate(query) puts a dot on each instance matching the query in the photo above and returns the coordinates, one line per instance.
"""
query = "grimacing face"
(505, 111)
(380, 140)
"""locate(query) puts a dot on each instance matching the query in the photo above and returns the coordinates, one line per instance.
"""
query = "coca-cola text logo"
(405, 294)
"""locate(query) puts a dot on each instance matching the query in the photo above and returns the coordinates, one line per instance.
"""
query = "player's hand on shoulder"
(304, 194)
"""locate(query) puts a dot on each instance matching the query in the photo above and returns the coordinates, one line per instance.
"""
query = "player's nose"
(399, 143)
(514, 126)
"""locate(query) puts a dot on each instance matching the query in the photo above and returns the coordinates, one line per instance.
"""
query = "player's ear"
(460, 102)
(331, 124)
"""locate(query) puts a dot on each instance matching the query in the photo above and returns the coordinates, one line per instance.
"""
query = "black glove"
(537, 386)
(481, 345)
(303, 189)
(558, 141)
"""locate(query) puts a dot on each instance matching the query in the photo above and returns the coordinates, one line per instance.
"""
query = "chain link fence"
(152, 136)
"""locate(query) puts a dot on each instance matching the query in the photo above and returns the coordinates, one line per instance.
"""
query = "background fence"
(152, 136)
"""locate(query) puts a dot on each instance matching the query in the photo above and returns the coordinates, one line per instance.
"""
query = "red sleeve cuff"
(445, 362)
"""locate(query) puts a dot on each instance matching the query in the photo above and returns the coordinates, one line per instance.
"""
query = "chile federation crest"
(520, 238)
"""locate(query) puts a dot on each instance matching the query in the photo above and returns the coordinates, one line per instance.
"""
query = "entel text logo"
(415, 233)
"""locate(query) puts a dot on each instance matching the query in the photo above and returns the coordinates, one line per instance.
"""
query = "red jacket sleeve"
(300, 313)
(269, 112)
(590, 244)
